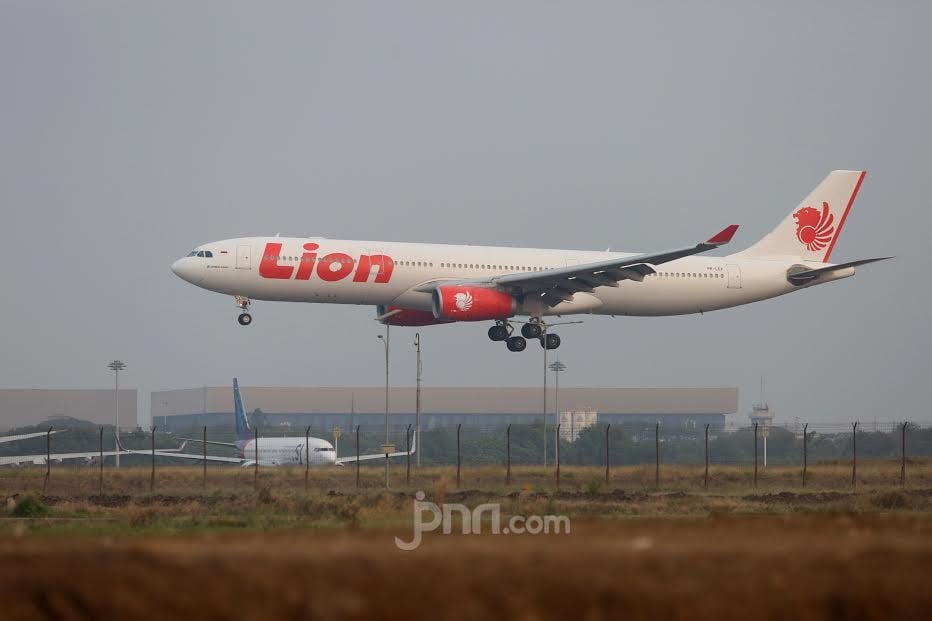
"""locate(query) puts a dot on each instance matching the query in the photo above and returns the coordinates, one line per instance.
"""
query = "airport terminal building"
(325, 408)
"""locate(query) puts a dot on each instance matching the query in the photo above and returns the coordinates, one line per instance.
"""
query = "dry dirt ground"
(735, 567)
(733, 552)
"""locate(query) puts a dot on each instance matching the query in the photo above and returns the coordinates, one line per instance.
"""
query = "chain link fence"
(464, 446)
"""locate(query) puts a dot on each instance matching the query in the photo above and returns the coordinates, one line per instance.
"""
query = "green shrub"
(30, 506)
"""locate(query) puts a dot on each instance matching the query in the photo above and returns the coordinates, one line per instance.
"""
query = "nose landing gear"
(242, 303)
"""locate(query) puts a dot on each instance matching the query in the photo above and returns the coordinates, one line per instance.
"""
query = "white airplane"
(272, 451)
(421, 284)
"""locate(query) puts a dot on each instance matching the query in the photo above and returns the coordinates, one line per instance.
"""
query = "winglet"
(724, 236)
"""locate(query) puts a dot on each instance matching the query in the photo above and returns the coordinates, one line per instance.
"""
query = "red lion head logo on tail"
(814, 229)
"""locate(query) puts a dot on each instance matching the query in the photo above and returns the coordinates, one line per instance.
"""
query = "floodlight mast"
(557, 367)
(116, 366)
(417, 401)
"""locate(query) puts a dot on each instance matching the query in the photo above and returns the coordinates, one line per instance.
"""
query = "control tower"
(762, 416)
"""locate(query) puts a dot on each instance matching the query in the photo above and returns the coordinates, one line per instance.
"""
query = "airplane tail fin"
(243, 432)
(810, 231)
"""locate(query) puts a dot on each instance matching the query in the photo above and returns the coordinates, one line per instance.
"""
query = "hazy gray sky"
(132, 131)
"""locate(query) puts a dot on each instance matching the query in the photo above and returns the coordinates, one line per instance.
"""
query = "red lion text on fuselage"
(330, 267)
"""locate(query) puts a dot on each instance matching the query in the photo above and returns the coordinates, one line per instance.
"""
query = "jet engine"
(463, 303)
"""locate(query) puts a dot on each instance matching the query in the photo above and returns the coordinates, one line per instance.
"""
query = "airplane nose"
(186, 269)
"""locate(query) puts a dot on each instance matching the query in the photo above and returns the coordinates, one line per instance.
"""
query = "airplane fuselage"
(288, 451)
(388, 273)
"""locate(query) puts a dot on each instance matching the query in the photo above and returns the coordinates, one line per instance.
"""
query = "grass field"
(266, 548)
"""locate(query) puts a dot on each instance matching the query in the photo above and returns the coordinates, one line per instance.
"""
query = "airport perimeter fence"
(600, 446)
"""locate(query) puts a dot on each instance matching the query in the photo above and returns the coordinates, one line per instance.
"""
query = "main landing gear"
(533, 329)
(242, 302)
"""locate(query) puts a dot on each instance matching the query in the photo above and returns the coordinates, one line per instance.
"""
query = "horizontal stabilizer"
(804, 276)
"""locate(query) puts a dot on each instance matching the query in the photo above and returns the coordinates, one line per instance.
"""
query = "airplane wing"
(208, 442)
(346, 460)
(15, 460)
(559, 284)
(25, 436)
(170, 453)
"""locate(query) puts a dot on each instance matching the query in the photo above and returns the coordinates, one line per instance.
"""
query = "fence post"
(854, 453)
(755, 454)
(204, 449)
(408, 451)
(805, 451)
(705, 482)
(903, 456)
(307, 455)
(255, 466)
(152, 475)
(357, 456)
(557, 444)
(48, 458)
(100, 483)
(657, 455)
(508, 455)
(458, 426)
(608, 461)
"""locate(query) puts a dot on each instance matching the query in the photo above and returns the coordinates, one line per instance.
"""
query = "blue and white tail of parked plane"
(244, 432)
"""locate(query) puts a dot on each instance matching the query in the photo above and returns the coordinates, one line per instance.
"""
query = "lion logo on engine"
(463, 301)
(814, 229)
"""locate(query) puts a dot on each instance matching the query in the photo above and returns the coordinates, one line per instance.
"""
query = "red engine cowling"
(460, 303)
(408, 317)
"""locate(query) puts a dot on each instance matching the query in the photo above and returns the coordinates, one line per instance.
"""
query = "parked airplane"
(415, 284)
(272, 451)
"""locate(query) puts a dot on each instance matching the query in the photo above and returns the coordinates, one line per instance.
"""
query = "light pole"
(385, 342)
(417, 401)
(543, 340)
(556, 367)
(116, 366)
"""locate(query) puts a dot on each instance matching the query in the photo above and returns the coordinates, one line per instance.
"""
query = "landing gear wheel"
(242, 303)
(498, 332)
(516, 343)
(550, 341)
(531, 330)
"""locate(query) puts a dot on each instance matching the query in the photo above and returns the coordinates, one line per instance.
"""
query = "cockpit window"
(208, 254)
(193, 253)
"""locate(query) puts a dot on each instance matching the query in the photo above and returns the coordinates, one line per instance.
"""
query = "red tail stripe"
(841, 222)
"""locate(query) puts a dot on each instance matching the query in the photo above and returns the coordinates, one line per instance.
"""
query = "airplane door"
(734, 276)
(243, 257)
